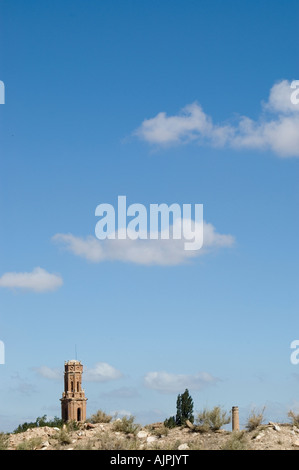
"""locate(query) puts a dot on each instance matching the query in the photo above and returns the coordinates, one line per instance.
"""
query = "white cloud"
(165, 382)
(277, 129)
(144, 252)
(188, 125)
(49, 373)
(117, 413)
(280, 98)
(39, 280)
(101, 372)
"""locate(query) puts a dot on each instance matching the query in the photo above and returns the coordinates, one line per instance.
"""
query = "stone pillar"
(235, 418)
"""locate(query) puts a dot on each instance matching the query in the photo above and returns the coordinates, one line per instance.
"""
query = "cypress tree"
(184, 406)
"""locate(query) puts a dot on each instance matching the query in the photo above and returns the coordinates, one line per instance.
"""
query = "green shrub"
(39, 422)
(170, 422)
(212, 420)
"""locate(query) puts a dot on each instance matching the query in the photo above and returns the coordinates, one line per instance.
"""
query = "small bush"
(71, 426)
(170, 422)
(100, 417)
(3, 441)
(237, 441)
(126, 425)
(294, 418)
(212, 420)
(254, 420)
(158, 431)
(63, 437)
(86, 446)
(30, 444)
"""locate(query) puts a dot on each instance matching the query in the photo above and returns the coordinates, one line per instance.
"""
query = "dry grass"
(3, 441)
(63, 437)
(158, 431)
(294, 418)
(108, 441)
(126, 425)
(212, 420)
(237, 441)
(30, 444)
(254, 420)
(100, 417)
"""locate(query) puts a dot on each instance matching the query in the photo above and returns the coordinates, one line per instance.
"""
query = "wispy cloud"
(49, 373)
(22, 386)
(144, 252)
(123, 392)
(165, 382)
(277, 128)
(101, 372)
(39, 280)
(118, 413)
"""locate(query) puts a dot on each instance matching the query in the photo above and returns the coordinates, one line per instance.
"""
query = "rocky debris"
(102, 436)
(89, 426)
(45, 444)
(142, 435)
(157, 425)
(184, 447)
(189, 424)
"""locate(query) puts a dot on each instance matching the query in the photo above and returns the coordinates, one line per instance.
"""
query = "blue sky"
(172, 101)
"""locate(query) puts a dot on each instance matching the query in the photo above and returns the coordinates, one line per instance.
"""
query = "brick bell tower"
(73, 401)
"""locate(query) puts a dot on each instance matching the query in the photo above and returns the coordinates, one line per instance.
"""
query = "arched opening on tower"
(79, 414)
